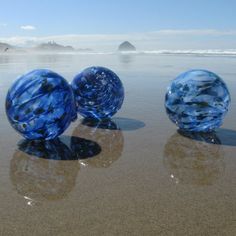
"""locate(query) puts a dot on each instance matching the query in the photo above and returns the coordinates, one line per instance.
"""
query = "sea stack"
(126, 46)
(53, 46)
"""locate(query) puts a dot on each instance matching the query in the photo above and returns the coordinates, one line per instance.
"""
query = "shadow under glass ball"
(110, 140)
(197, 101)
(47, 149)
(58, 149)
(47, 169)
(99, 93)
(100, 124)
(116, 123)
(193, 162)
(40, 105)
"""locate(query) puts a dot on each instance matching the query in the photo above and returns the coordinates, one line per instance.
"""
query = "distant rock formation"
(4, 47)
(126, 46)
(53, 46)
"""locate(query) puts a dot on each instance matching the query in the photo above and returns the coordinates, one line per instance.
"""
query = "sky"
(150, 24)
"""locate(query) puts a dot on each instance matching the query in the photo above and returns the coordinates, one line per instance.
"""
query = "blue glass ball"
(197, 101)
(99, 93)
(40, 105)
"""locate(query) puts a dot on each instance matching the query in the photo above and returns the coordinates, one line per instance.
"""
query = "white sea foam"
(215, 52)
(209, 52)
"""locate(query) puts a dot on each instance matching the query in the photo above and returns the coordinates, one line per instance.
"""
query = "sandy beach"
(135, 176)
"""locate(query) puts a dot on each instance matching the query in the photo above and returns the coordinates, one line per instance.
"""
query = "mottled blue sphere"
(40, 105)
(99, 93)
(197, 101)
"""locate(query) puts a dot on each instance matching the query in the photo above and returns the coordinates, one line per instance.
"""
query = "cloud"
(28, 27)
(201, 32)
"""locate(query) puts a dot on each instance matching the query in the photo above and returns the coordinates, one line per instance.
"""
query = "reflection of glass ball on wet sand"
(193, 162)
(40, 179)
(111, 142)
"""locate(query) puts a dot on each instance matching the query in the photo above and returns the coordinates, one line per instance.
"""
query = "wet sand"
(134, 176)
